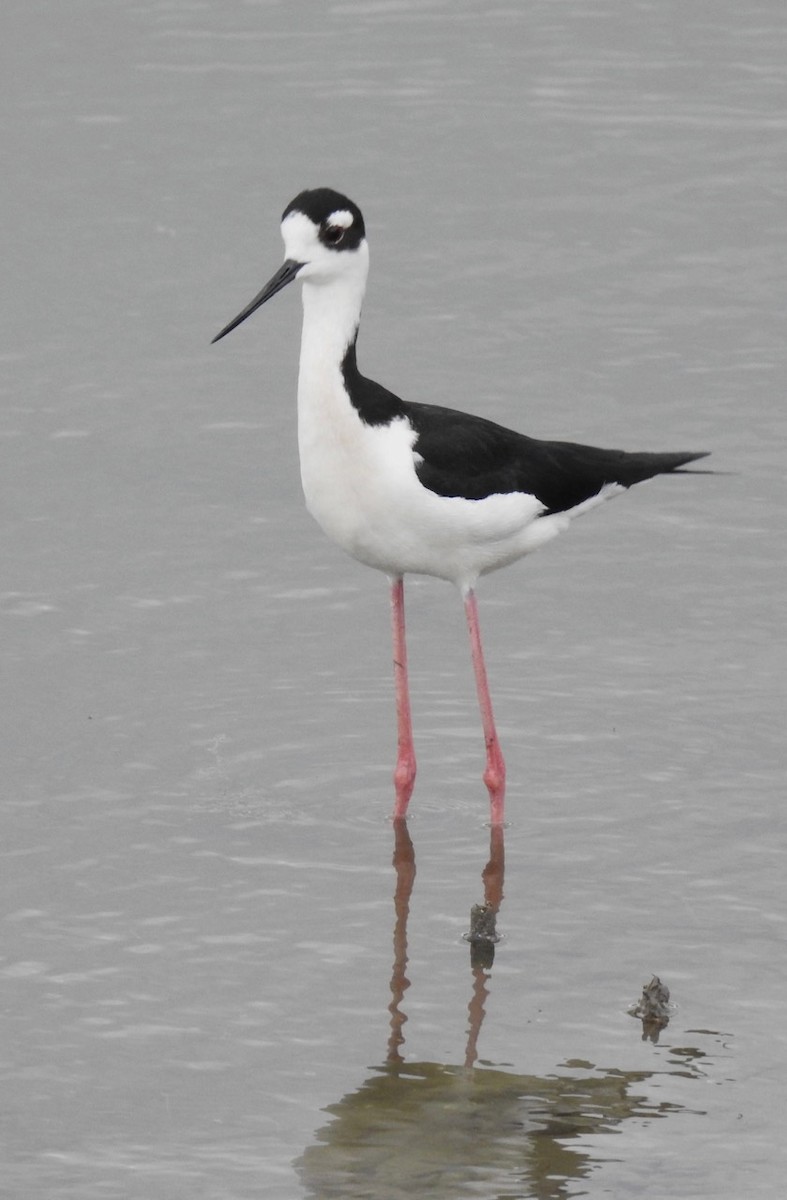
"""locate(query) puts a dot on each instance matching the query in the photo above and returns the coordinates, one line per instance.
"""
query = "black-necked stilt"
(410, 487)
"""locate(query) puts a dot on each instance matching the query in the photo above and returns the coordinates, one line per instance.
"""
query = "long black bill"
(285, 274)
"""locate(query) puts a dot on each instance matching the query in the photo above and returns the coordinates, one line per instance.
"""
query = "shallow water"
(215, 982)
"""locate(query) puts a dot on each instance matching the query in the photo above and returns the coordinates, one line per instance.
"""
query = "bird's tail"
(680, 459)
(636, 466)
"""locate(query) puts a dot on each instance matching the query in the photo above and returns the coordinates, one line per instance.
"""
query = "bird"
(409, 487)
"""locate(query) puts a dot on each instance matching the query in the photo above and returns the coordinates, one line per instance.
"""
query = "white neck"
(328, 425)
(331, 313)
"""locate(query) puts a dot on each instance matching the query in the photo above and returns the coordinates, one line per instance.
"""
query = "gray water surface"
(215, 984)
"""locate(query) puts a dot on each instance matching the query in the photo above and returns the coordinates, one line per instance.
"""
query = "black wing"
(466, 455)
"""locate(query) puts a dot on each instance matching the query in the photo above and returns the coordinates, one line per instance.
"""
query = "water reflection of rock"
(441, 1131)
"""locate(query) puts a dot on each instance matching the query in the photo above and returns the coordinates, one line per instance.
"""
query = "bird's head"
(324, 243)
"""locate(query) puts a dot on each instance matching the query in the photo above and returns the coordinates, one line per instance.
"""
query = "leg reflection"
(483, 937)
(483, 934)
(404, 865)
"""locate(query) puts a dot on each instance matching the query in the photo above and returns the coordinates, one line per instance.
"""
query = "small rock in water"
(483, 921)
(483, 936)
(653, 1008)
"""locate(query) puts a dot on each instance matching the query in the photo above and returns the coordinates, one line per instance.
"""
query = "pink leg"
(495, 773)
(404, 774)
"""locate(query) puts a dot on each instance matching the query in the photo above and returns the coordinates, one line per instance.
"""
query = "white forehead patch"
(300, 236)
(342, 218)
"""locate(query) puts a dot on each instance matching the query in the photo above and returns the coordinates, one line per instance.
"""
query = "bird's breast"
(361, 486)
(351, 472)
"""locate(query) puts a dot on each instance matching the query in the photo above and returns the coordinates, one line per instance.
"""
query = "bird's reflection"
(441, 1130)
